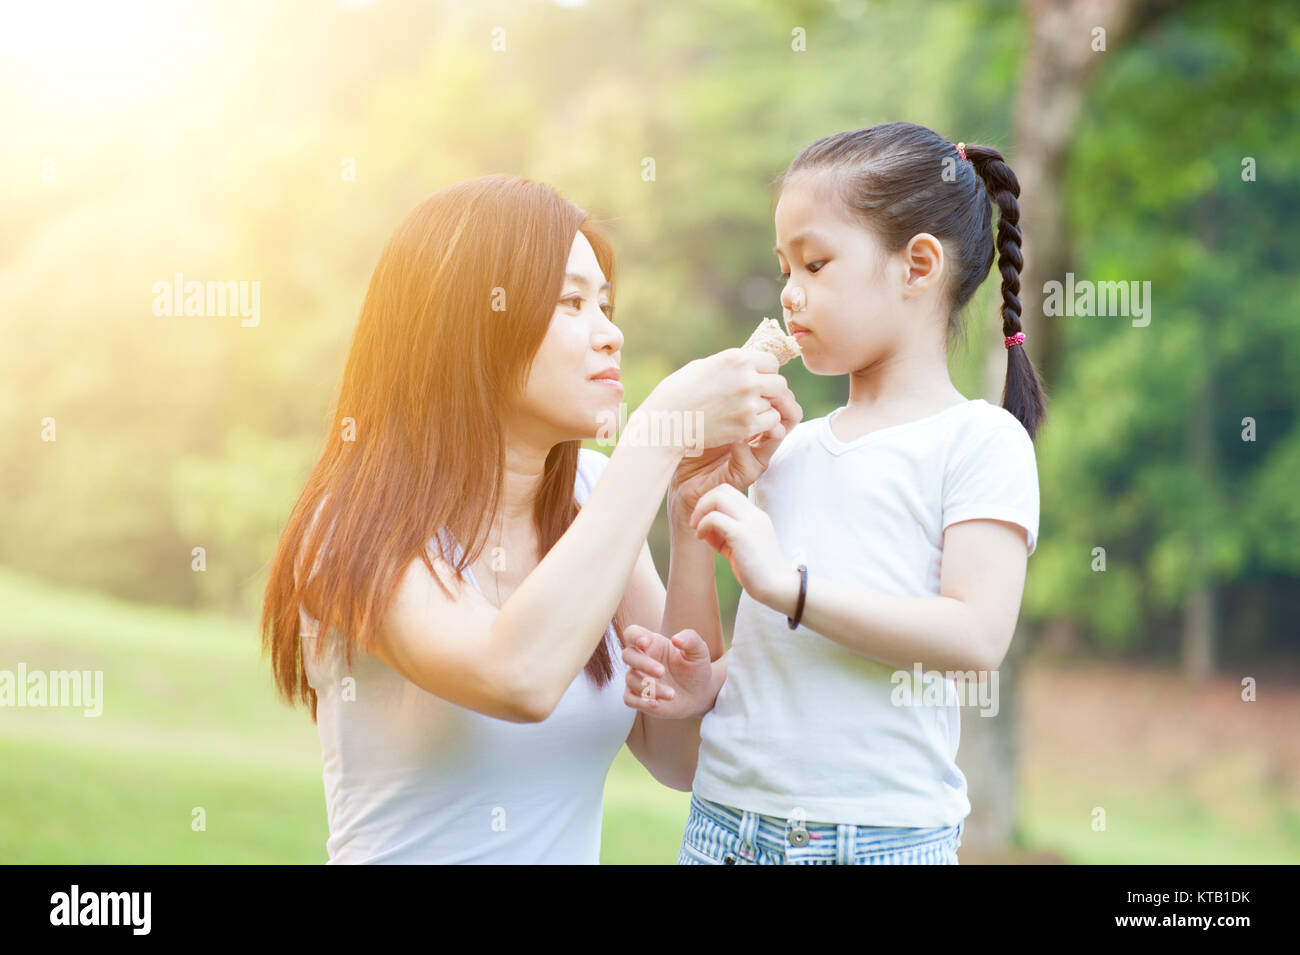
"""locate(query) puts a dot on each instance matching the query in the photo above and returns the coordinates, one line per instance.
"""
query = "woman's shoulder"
(591, 465)
(589, 459)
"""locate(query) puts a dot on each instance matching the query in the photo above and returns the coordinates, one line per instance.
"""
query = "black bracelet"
(803, 592)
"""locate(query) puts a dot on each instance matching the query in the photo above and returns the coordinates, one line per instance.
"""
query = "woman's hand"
(738, 464)
(735, 528)
(671, 678)
(714, 401)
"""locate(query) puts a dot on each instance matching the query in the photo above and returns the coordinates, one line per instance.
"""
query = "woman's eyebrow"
(584, 281)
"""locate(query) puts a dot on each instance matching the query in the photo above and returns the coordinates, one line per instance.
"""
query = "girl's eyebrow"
(798, 240)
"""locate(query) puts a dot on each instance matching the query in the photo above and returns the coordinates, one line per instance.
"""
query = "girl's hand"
(668, 678)
(738, 464)
(735, 528)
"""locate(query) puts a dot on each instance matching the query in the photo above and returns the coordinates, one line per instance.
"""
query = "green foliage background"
(226, 163)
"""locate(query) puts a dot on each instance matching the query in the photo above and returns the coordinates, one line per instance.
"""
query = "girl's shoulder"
(981, 418)
(988, 435)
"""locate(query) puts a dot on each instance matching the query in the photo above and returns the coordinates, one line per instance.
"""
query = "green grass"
(1164, 824)
(190, 720)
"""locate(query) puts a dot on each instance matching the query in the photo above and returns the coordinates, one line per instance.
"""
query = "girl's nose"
(793, 298)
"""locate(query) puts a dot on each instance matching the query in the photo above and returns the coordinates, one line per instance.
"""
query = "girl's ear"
(923, 260)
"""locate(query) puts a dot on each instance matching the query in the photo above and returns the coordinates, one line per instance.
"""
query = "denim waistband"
(842, 840)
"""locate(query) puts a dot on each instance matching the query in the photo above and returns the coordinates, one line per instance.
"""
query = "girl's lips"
(801, 334)
(609, 382)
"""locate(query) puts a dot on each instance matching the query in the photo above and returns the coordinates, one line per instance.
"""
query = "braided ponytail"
(1023, 392)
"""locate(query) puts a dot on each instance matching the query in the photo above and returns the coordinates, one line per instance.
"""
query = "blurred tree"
(1169, 441)
(1068, 43)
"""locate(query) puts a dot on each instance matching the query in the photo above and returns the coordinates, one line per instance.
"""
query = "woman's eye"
(818, 267)
(575, 302)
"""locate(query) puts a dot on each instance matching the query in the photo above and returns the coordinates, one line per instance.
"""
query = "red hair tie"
(1017, 339)
(961, 150)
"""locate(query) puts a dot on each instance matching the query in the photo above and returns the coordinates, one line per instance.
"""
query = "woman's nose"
(609, 337)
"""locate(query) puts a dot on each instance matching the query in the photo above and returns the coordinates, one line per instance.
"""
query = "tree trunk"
(988, 756)
(1199, 614)
(1059, 63)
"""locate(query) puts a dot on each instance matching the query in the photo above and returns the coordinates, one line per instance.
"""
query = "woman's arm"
(549, 626)
(517, 662)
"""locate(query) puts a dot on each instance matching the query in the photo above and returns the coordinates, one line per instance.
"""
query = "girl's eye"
(813, 267)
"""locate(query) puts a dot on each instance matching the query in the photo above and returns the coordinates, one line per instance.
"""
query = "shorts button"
(731, 860)
(799, 836)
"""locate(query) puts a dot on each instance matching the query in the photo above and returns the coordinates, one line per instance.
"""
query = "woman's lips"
(797, 331)
(610, 378)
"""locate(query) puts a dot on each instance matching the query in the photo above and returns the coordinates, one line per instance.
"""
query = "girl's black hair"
(893, 176)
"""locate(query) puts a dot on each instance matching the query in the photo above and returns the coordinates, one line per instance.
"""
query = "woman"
(470, 703)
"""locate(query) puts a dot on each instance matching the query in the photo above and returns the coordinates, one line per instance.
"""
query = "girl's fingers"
(635, 701)
(640, 660)
(723, 498)
(717, 528)
(636, 683)
(638, 636)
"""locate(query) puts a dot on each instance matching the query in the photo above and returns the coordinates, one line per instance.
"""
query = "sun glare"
(93, 50)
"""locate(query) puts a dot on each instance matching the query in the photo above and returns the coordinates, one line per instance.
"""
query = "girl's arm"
(692, 598)
(967, 627)
(669, 748)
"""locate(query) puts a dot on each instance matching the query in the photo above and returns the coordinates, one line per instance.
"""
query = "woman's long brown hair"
(457, 307)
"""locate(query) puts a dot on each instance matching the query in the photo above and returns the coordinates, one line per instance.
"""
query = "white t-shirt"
(805, 723)
(411, 778)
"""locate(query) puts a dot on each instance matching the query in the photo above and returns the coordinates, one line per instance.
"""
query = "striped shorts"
(720, 835)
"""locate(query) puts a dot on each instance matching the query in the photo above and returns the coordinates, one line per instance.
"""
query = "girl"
(469, 702)
(886, 540)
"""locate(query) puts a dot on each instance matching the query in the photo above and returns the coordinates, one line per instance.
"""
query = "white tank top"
(411, 778)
